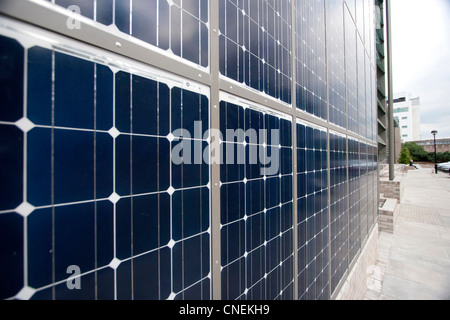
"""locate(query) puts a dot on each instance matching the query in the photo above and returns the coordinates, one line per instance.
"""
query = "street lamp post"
(434, 133)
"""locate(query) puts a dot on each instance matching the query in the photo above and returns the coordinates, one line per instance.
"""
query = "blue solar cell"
(286, 189)
(104, 233)
(39, 166)
(104, 11)
(285, 160)
(232, 242)
(255, 272)
(232, 118)
(233, 168)
(39, 242)
(175, 27)
(74, 238)
(72, 76)
(253, 167)
(273, 227)
(150, 172)
(255, 230)
(11, 254)
(285, 133)
(11, 171)
(73, 170)
(39, 94)
(104, 98)
(186, 272)
(151, 222)
(190, 213)
(11, 79)
(145, 106)
(151, 275)
(144, 21)
(191, 39)
(254, 120)
(233, 280)
(103, 165)
(189, 173)
(124, 281)
(254, 196)
(232, 202)
(188, 107)
(123, 165)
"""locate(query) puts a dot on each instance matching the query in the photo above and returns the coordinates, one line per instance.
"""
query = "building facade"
(407, 114)
(382, 110)
(442, 145)
(113, 145)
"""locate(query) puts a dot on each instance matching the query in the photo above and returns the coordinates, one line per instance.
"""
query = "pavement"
(414, 262)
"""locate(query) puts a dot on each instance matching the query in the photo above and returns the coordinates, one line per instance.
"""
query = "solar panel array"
(108, 162)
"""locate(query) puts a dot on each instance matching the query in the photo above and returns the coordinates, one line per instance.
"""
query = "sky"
(421, 59)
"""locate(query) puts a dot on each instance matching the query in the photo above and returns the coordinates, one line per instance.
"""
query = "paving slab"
(417, 255)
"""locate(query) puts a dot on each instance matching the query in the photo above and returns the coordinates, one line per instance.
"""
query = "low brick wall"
(355, 286)
(392, 189)
(387, 215)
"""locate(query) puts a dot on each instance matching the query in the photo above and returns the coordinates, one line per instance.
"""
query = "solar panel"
(310, 46)
(336, 63)
(255, 45)
(100, 188)
(339, 220)
(313, 228)
(354, 197)
(351, 72)
(256, 206)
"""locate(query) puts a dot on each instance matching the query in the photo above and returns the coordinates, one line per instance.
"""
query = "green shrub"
(405, 156)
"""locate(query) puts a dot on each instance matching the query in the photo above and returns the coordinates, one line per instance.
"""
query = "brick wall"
(387, 215)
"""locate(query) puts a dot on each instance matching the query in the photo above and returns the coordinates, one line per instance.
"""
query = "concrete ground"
(414, 262)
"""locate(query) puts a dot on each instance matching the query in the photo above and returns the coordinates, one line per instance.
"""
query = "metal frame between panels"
(47, 16)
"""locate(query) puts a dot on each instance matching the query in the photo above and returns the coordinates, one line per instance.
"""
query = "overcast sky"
(421, 59)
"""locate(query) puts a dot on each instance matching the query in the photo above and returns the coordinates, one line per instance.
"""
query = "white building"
(407, 114)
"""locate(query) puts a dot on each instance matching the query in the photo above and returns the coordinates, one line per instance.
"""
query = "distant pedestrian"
(411, 163)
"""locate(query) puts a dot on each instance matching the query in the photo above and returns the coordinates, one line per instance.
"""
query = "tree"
(417, 152)
(405, 156)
